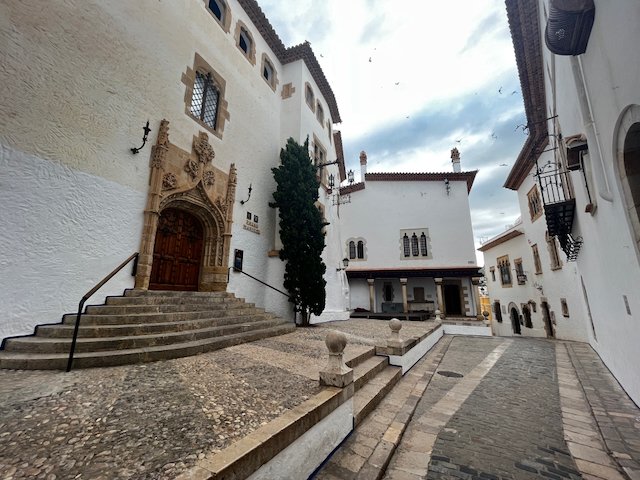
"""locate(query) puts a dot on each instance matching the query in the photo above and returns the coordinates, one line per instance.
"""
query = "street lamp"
(350, 177)
(345, 262)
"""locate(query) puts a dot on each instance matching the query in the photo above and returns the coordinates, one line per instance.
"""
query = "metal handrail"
(295, 305)
(88, 295)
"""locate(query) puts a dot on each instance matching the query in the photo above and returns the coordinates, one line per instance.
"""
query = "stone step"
(58, 361)
(368, 397)
(141, 318)
(169, 293)
(165, 300)
(95, 344)
(145, 328)
(163, 308)
(356, 360)
(368, 369)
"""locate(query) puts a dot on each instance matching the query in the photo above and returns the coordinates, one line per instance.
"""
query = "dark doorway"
(177, 253)
(515, 321)
(546, 317)
(452, 303)
(632, 165)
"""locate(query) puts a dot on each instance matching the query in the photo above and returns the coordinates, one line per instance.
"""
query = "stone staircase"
(373, 378)
(144, 326)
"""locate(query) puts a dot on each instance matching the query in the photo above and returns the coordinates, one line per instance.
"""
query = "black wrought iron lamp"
(350, 177)
(144, 138)
(345, 262)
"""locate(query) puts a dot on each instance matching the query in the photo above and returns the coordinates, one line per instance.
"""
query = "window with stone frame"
(497, 311)
(564, 307)
(309, 97)
(319, 158)
(269, 74)
(320, 113)
(423, 245)
(520, 275)
(204, 96)
(360, 249)
(554, 255)
(244, 42)
(504, 266)
(536, 258)
(220, 11)
(415, 249)
(535, 203)
(493, 273)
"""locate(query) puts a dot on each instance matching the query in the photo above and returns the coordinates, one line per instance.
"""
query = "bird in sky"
(494, 136)
(500, 90)
(397, 83)
(504, 164)
(514, 92)
(369, 59)
(460, 140)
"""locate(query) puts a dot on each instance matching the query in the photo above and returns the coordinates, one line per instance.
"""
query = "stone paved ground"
(515, 414)
(155, 420)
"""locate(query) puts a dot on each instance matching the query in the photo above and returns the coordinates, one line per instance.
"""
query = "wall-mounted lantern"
(345, 263)
(447, 187)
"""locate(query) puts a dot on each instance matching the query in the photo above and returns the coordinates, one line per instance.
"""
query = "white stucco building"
(222, 94)
(409, 242)
(580, 78)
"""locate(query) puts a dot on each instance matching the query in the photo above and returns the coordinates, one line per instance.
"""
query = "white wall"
(609, 261)
(383, 208)
(79, 80)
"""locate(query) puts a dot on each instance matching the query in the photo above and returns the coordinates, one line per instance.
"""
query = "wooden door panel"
(178, 252)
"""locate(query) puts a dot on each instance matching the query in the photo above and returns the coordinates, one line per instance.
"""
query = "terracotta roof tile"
(468, 177)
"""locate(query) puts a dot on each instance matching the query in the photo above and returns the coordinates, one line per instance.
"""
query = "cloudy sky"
(415, 78)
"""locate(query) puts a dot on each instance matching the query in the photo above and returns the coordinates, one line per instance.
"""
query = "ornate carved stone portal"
(189, 181)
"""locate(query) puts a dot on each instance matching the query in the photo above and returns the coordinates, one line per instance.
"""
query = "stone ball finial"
(363, 157)
(336, 341)
(395, 325)
(485, 314)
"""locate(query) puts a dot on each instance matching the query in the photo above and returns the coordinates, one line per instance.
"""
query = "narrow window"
(360, 249)
(414, 245)
(552, 246)
(267, 72)
(423, 245)
(536, 258)
(309, 96)
(204, 100)
(493, 274)
(405, 245)
(352, 250)
(245, 41)
(320, 114)
(218, 8)
(564, 307)
(520, 275)
(526, 313)
(535, 205)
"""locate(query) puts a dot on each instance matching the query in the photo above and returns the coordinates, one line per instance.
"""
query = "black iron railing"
(89, 294)
(237, 270)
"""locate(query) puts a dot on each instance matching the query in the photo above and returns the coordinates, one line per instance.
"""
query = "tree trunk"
(304, 317)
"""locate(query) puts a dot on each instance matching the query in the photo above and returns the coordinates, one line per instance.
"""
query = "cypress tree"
(301, 227)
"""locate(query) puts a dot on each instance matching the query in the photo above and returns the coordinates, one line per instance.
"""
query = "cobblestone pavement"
(509, 417)
(152, 421)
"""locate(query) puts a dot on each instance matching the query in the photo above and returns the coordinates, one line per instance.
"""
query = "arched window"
(320, 114)
(245, 41)
(352, 250)
(497, 311)
(205, 99)
(360, 249)
(405, 245)
(219, 9)
(423, 245)
(414, 245)
(309, 96)
(632, 168)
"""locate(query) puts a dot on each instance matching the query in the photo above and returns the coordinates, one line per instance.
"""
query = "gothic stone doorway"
(452, 300)
(177, 253)
(546, 317)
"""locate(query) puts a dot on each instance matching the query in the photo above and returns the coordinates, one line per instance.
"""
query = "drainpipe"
(604, 190)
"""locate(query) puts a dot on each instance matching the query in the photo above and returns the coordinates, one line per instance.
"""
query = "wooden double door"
(177, 253)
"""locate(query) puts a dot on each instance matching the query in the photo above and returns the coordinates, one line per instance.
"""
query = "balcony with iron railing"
(559, 207)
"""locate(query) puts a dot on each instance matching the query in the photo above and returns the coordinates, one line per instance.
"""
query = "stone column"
(372, 295)
(475, 291)
(152, 209)
(405, 302)
(439, 295)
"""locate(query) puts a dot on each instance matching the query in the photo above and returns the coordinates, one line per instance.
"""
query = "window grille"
(423, 245)
(204, 100)
(405, 245)
(414, 245)
(352, 250)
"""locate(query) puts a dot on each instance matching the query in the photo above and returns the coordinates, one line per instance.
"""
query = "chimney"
(455, 159)
(363, 165)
